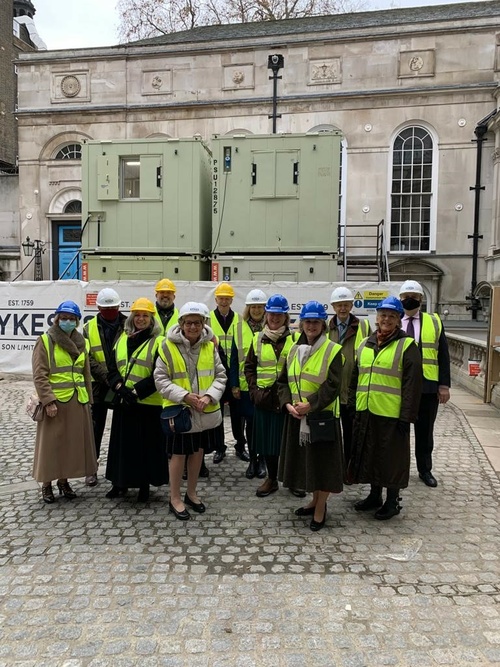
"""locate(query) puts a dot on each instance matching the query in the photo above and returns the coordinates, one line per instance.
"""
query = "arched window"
(411, 192)
(73, 206)
(70, 152)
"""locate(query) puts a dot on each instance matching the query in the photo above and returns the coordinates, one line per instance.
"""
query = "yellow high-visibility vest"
(306, 380)
(139, 366)
(96, 350)
(268, 367)
(380, 378)
(173, 320)
(66, 375)
(225, 339)
(243, 337)
(205, 370)
(430, 331)
(362, 332)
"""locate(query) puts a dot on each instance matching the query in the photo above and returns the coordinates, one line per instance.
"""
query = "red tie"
(410, 329)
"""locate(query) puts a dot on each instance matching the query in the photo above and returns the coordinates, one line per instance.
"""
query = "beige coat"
(65, 443)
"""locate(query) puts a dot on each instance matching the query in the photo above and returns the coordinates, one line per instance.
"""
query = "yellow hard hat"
(143, 304)
(165, 285)
(224, 289)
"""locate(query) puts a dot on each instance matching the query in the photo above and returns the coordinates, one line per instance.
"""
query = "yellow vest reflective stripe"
(305, 381)
(362, 333)
(380, 378)
(224, 339)
(430, 331)
(139, 366)
(268, 367)
(178, 373)
(92, 331)
(66, 375)
(243, 337)
(173, 320)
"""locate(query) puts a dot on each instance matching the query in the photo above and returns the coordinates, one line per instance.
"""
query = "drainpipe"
(480, 131)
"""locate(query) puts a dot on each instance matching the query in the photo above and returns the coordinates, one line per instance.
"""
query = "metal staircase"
(363, 253)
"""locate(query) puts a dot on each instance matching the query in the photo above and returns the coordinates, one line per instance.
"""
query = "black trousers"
(237, 423)
(424, 431)
(346, 419)
(99, 414)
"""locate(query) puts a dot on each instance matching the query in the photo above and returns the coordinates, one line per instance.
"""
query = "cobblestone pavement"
(98, 583)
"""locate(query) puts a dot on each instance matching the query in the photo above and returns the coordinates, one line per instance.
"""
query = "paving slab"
(112, 583)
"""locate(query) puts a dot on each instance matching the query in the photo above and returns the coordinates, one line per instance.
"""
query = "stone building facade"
(406, 87)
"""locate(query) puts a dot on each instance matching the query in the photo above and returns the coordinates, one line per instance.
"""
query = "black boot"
(391, 507)
(260, 469)
(372, 502)
(251, 471)
(143, 495)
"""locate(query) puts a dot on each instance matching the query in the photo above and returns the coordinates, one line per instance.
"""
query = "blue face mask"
(67, 325)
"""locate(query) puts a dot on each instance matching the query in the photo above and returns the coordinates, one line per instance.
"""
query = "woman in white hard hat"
(136, 455)
(61, 375)
(189, 372)
(250, 323)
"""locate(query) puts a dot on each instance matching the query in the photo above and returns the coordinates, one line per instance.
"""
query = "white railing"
(468, 355)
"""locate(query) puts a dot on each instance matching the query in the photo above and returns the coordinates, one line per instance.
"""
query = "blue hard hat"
(277, 304)
(313, 310)
(391, 303)
(69, 307)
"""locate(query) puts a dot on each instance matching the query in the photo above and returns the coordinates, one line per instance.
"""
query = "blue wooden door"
(68, 251)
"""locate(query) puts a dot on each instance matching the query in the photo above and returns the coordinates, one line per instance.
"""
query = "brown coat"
(347, 350)
(381, 445)
(65, 443)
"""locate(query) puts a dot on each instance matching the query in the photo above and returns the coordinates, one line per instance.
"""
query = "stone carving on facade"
(238, 77)
(416, 63)
(496, 156)
(70, 87)
(157, 82)
(325, 71)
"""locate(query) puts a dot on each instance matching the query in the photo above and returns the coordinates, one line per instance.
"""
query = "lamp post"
(36, 247)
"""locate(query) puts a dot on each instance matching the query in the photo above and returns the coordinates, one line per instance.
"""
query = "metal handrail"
(66, 269)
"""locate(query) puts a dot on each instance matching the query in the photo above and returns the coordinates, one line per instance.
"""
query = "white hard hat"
(108, 298)
(411, 286)
(194, 308)
(341, 294)
(256, 297)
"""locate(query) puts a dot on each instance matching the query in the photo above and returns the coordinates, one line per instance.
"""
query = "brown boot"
(267, 487)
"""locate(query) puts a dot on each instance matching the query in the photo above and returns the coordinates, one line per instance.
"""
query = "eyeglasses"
(196, 325)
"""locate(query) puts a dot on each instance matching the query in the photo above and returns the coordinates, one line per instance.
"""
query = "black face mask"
(410, 303)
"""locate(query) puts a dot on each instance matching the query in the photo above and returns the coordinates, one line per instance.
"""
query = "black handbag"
(322, 426)
(175, 419)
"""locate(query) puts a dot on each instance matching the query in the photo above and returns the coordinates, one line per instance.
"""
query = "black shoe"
(198, 507)
(298, 493)
(182, 516)
(66, 490)
(371, 502)
(48, 494)
(251, 471)
(143, 495)
(116, 492)
(317, 525)
(389, 509)
(428, 479)
(241, 453)
(219, 456)
(204, 471)
(261, 470)
(185, 474)
(305, 511)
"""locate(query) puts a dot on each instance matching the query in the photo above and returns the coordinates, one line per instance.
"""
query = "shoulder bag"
(322, 426)
(34, 408)
(176, 419)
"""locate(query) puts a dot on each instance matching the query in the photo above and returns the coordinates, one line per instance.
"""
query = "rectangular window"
(130, 177)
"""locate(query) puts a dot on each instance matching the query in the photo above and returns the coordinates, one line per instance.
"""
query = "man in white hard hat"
(428, 332)
(102, 331)
(347, 330)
